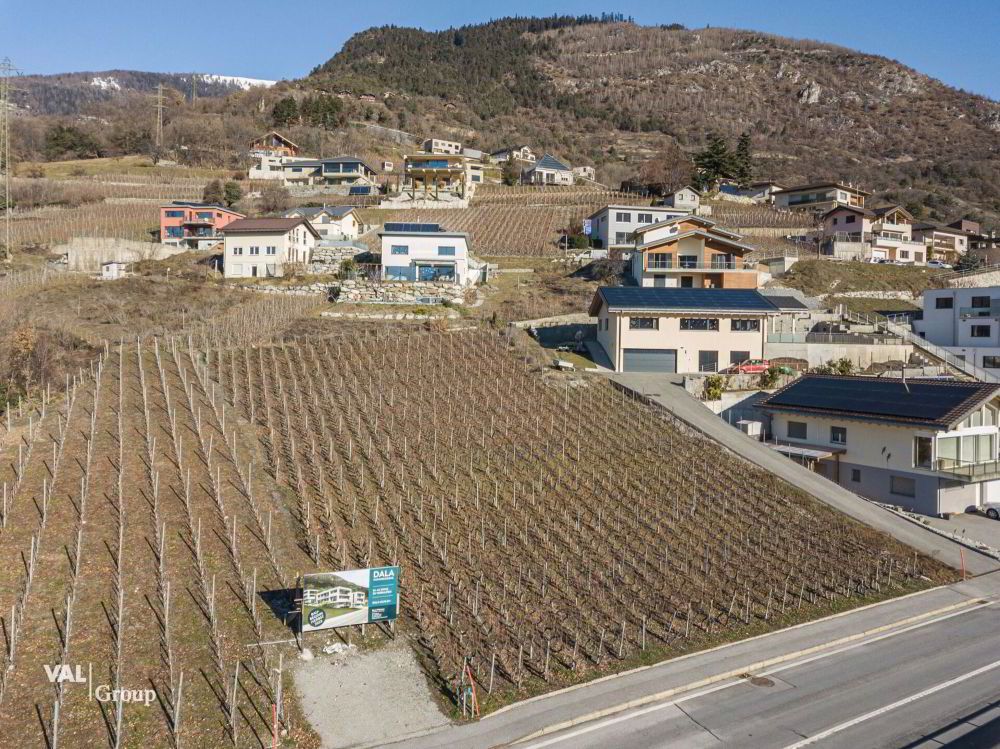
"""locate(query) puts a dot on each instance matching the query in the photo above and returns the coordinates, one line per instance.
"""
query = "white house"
(680, 330)
(425, 252)
(683, 197)
(964, 321)
(584, 172)
(332, 222)
(927, 445)
(943, 242)
(514, 153)
(548, 170)
(819, 197)
(113, 270)
(262, 247)
(272, 166)
(612, 227)
(435, 145)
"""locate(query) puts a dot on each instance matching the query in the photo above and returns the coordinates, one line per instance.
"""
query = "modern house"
(195, 225)
(683, 197)
(927, 445)
(820, 197)
(612, 227)
(273, 144)
(884, 233)
(263, 247)
(426, 176)
(548, 170)
(273, 167)
(943, 242)
(585, 172)
(426, 252)
(691, 252)
(332, 222)
(680, 330)
(472, 153)
(433, 145)
(343, 171)
(966, 321)
(513, 153)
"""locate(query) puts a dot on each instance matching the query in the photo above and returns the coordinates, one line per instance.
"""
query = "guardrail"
(947, 275)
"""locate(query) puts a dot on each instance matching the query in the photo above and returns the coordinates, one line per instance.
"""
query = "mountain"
(73, 93)
(616, 93)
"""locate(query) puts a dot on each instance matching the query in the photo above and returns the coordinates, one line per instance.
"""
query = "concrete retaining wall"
(86, 254)
(862, 355)
(989, 278)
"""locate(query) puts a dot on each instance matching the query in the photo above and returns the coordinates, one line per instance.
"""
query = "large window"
(980, 302)
(400, 249)
(944, 302)
(174, 214)
(645, 218)
(446, 251)
(744, 325)
(621, 237)
(922, 452)
(838, 435)
(902, 486)
(797, 430)
(660, 261)
(623, 217)
(699, 323)
(175, 231)
(708, 361)
(688, 261)
(435, 272)
(643, 323)
(980, 331)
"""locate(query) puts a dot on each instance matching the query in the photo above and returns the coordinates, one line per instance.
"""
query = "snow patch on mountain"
(235, 80)
(105, 84)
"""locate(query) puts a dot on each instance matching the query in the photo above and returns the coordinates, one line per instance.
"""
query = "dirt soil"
(366, 699)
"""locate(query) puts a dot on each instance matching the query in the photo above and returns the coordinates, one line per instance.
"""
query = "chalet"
(264, 247)
(548, 170)
(883, 233)
(194, 225)
(691, 252)
(273, 144)
(683, 197)
(335, 223)
(820, 197)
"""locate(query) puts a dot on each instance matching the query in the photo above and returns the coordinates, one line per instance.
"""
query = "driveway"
(977, 528)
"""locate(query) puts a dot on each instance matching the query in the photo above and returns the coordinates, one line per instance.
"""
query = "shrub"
(715, 385)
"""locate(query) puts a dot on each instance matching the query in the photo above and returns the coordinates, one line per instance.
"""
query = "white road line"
(899, 703)
(727, 684)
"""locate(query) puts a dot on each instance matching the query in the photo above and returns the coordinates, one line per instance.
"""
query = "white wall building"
(434, 145)
(424, 252)
(514, 153)
(683, 197)
(332, 222)
(272, 166)
(548, 170)
(964, 321)
(113, 270)
(262, 247)
(585, 172)
(612, 227)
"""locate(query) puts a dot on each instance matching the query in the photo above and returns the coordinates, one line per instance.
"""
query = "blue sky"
(954, 41)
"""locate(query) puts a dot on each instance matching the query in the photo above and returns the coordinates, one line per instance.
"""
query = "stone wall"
(368, 292)
(976, 280)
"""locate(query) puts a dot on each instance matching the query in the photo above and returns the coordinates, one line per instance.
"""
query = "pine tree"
(285, 112)
(213, 193)
(743, 171)
(509, 172)
(231, 193)
(713, 163)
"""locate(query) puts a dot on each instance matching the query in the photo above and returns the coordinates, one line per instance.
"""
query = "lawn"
(871, 304)
(137, 165)
(816, 277)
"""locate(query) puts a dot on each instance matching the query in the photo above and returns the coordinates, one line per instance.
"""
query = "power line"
(159, 116)
(7, 70)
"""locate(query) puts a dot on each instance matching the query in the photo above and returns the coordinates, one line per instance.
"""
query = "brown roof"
(852, 208)
(840, 185)
(265, 226)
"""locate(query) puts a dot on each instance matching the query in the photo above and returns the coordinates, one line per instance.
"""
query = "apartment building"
(883, 233)
(340, 596)
(263, 247)
(966, 321)
(332, 222)
(945, 243)
(819, 197)
(434, 145)
(426, 252)
(680, 330)
(194, 225)
(691, 252)
(612, 227)
(929, 446)
(548, 170)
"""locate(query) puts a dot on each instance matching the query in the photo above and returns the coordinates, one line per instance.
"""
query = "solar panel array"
(914, 400)
(632, 297)
(412, 228)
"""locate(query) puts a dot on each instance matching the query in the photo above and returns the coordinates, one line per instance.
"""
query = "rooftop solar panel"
(412, 228)
(632, 297)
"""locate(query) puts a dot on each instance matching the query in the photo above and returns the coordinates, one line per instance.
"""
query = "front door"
(660, 280)
(687, 282)
(253, 271)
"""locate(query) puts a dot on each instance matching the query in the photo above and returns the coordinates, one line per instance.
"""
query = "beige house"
(263, 247)
(943, 242)
(435, 145)
(585, 172)
(680, 330)
(819, 197)
(884, 233)
(683, 197)
(691, 252)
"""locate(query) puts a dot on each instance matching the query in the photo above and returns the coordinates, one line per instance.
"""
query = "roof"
(938, 404)
(884, 210)
(684, 187)
(331, 160)
(548, 161)
(508, 149)
(714, 227)
(681, 212)
(840, 185)
(786, 302)
(336, 211)
(265, 226)
(192, 204)
(675, 299)
(277, 135)
(713, 234)
(926, 226)
(851, 208)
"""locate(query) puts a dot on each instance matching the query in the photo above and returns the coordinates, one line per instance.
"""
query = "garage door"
(650, 360)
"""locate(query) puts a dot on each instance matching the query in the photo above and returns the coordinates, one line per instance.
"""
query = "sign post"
(349, 597)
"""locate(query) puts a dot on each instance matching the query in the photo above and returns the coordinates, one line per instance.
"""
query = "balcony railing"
(970, 472)
(688, 265)
(992, 311)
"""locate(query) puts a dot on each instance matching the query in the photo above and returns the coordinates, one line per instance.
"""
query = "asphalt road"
(932, 685)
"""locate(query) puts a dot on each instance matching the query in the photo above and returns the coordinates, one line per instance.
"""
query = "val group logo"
(64, 673)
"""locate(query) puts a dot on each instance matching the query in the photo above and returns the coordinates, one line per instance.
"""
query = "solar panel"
(412, 228)
(749, 300)
(364, 190)
(920, 400)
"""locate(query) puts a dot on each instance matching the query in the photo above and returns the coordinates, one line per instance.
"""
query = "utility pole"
(194, 87)
(159, 119)
(7, 70)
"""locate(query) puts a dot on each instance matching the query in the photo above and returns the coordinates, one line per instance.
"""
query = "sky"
(953, 40)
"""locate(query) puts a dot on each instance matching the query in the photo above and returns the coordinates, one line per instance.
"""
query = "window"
(621, 237)
(446, 251)
(255, 250)
(645, 218)
(797, 430)
(834, 220)
(237, 250)
(980, 331)
(708, 361)
(660, 260)
(699, 323)
(688, 261)
(980, 302)
(205, 214)
(272, 250)
(623, 217)
(399, 249)
(643, 323)
(944, 302)
(174, 214)
(850, 219)
(175, 231)
(904, 254)
(922, 452)
(838, 435)
(738, 357)
(430, 272)
(856, 475)
(902, 486)
(744, 325)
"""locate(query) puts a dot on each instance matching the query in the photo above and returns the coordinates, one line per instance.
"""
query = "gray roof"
(332, 160)
(336, 211)
(548, 161)
(678, 299)
(786, 302)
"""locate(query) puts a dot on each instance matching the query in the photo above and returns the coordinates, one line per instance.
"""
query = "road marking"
(731, 683)
(899, 703)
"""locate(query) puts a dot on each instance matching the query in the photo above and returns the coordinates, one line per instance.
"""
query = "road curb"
(736, 672)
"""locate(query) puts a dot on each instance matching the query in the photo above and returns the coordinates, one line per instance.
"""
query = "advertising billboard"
(347, 597)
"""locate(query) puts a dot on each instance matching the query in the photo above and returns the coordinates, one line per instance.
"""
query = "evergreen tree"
(743, 171)
(285, 112)
(213, 193)
(510, 174)
(231, 193)
(713, 163)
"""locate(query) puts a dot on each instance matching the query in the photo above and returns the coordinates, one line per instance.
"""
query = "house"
(680, 330)
(548, 170)
(113, 270)
(612, 227)
(336, 222)
(927, 445)
(585, 172)
(387, 166)
(683, 197)
(819, 197)
(514, 153)
(943, 242)
(263, 247)
(761, 191)
(273, 167)
(344, 171)
(884, 233)
(426, 252)
(691, 252)
(473, 153)
(433, 145)
(966, 321)
(273, 144)
(195, 225)
(427, 175)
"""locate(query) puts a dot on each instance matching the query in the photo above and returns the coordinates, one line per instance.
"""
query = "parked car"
(991, 510)
(750, 366)
(939, 264)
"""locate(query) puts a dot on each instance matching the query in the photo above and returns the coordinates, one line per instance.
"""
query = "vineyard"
(744, 215)
(536, 195)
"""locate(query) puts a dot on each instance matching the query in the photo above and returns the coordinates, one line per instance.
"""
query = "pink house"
(194, 224)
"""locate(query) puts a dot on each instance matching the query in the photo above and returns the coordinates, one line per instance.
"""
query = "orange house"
(692, 252)
(194, 224)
